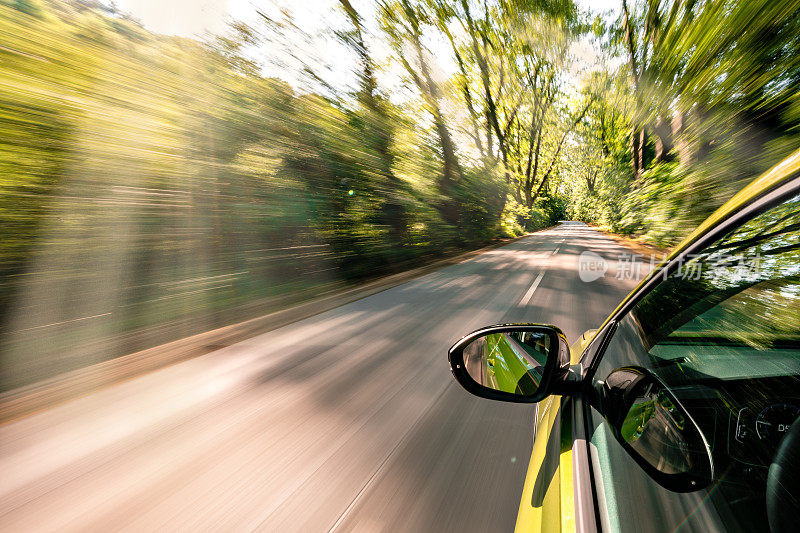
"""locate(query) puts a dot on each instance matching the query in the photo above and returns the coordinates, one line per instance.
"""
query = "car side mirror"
(655, 429)
(511, 362)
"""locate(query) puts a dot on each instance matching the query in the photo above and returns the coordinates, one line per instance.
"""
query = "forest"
(154, 186)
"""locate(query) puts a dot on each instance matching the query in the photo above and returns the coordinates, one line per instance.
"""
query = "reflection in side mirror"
(513, 362)
(656, 430)
(509, 361)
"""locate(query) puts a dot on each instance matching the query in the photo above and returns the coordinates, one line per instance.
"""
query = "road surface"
(348, 420)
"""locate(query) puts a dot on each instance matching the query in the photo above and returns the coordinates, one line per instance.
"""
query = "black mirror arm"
(571, 382)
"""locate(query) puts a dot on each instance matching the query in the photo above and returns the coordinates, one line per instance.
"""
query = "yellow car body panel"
(548, 505)
(547, 494)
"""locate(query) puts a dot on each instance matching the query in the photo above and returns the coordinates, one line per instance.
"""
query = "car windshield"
(741, 292)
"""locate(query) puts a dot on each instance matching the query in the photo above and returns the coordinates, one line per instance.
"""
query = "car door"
(557, 494)
(721, 328)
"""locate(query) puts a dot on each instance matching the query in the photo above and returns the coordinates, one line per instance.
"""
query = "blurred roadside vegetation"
(704, 97)
(154, 187)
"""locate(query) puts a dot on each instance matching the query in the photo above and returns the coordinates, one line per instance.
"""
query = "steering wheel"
(783, 483)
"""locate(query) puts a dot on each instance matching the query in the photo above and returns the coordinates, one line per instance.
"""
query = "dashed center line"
(529, 294)
(556, 250)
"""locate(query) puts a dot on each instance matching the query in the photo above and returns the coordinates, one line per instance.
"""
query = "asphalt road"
(348, 420)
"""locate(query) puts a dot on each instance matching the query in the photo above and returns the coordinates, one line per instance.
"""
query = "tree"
(511, 58)
(377, 126)
(403, 23)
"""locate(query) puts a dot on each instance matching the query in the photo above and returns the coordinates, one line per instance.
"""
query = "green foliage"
(711, 87)
(554, 206)
(519, 219)
(514, 218)
(480, 199)
(153, 187)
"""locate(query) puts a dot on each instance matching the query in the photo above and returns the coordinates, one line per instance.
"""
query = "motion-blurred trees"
(512, 58)
(157, 186)
(403, 24)
(708, 102)
(154, 187)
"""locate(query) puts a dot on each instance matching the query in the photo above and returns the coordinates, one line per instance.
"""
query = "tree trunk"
(642, 145)
(451, 171)
(679, 138)
(634, 144)
(663, 140)
(638, 135)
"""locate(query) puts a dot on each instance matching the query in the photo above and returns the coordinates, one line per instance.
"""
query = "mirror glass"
(661, 433)
(510, 361)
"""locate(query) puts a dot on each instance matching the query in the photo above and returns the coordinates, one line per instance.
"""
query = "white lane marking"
(529, 294)
(556, 250)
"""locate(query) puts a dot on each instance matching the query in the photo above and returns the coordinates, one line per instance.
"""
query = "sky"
(598, 6)
(314, 45)
(188, 18)
(194, 18)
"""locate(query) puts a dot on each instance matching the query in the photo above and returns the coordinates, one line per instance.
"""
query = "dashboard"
(758, 429)
(744, 421)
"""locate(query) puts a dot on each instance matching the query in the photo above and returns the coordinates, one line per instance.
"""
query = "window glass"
(723, 332)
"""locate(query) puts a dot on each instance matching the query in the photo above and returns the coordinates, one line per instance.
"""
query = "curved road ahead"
(348, 420)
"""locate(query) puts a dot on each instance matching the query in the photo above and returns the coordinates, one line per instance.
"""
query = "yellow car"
(678, 413)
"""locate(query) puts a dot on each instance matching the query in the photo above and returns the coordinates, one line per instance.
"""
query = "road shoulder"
(634, 244)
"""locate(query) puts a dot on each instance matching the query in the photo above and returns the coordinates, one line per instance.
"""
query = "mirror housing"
(656, 430)
(521, 363)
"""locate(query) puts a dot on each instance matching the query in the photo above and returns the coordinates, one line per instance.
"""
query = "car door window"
(723, 333)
